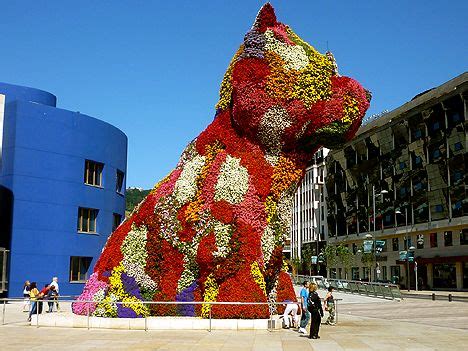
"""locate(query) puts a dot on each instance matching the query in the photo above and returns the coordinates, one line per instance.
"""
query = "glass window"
(402, 165)
(395, 274)
(464, 237)
(87, 220)
(79, 268)
(445, 276)
(395, 244)
(439, 208)
(93, 173)
(448, 238)
(458, 146)
(435, 126)
(355, 273)
(420, 241)
(116, 221)
(340, 271)
(436, 154)
(417, 134)
(433, 239)
(119, 182)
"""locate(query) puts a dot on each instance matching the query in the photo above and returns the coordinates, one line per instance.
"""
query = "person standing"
(305, 316)
(34, 295)
(51, 297)
(55, 284)
(314, 305)
(329, 304)
(26, 303)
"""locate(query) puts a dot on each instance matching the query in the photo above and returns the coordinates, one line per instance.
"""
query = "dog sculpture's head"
(284, 94)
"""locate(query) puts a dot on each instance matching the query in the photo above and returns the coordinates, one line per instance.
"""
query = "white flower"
(294, 56)
(187, 277)
(185, 187)
(233, 181)
(268, 243)
(135, 255)
(271, 128)
(222, 234)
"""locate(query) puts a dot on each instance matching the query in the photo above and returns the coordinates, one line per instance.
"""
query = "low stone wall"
(69, 320)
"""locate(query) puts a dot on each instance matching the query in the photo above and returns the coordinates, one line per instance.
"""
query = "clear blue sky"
(153, 68)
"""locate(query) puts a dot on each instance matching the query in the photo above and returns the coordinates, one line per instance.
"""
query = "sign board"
(368, 244)
(403, 255)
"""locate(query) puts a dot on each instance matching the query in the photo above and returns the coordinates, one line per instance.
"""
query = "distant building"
(412, 163)
(62, 185)
(309, 228)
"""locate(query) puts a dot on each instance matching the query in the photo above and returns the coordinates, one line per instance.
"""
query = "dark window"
(93, 173)
(402, 165)
(79, 268)
(458, 146)
(454, 117)
(433, 239)
(395, 244)
(407, 243)
(439, 208)
(116, 222)
(448, 238)
(87, 220)
(418, 186)
(420, 241)
(355, 273)
(435, 126)
(395, 274)
(354, 248)
(417, 134)
(464, 237)
(119, 181)
(436, 154)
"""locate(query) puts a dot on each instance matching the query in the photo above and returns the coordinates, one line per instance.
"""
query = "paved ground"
(364, 324)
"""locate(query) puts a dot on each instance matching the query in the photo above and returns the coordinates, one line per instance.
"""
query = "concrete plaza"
(364, 324)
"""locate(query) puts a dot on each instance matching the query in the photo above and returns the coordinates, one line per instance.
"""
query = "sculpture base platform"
(69, 320)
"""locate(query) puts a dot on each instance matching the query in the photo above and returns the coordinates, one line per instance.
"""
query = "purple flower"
(125, 312)
(254, 44)
(130, 285)
(186, 295)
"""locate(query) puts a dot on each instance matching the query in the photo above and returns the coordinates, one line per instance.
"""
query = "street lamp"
(369, 236)
(407, 249)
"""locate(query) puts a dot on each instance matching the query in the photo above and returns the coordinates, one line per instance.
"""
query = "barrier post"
(210, 319)
(3, 313)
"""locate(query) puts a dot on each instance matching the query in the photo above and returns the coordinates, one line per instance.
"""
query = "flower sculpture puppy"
(214, 228)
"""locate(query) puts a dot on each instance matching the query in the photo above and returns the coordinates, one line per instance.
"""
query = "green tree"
(307, 258)
(345, 257)
(329, 254)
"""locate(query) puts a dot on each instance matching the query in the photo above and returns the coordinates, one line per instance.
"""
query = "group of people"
(33, 298)
(311, 309)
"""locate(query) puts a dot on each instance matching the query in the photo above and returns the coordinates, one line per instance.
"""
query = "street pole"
(407, 250)
(416, 273)
(373, 214)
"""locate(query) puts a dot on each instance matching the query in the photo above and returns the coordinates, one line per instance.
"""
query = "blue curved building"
(62, 190)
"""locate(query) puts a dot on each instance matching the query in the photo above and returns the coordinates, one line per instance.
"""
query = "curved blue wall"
(44, 153)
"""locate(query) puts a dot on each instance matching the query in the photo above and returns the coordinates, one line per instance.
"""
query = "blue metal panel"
(44, 155)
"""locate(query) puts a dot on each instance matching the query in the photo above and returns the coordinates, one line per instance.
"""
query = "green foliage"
(133, 197)
(345, 257)
(330, 254)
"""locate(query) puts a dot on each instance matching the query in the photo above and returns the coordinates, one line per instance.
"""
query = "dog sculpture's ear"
(266, 18)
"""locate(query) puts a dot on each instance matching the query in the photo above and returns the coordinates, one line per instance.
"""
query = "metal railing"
(380, 290)
(62, 300)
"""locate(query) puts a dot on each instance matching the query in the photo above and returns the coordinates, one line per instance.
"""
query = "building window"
(355, 273)
(407, 243)
(395, 274)
(464, 237)
(420, 241)
(402, 165)
(433, 239)
(355, 249)
(436, 154)
(93, 173)
(395, 244)
(79, 268)
(119, 182)
(116, 222)
(87, 220)
(458, 146)
(435, 126)
(417, 134)
(448, 238)
(439, 208)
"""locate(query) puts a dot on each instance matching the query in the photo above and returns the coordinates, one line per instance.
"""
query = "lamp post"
(373, 213)
(407, 249)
